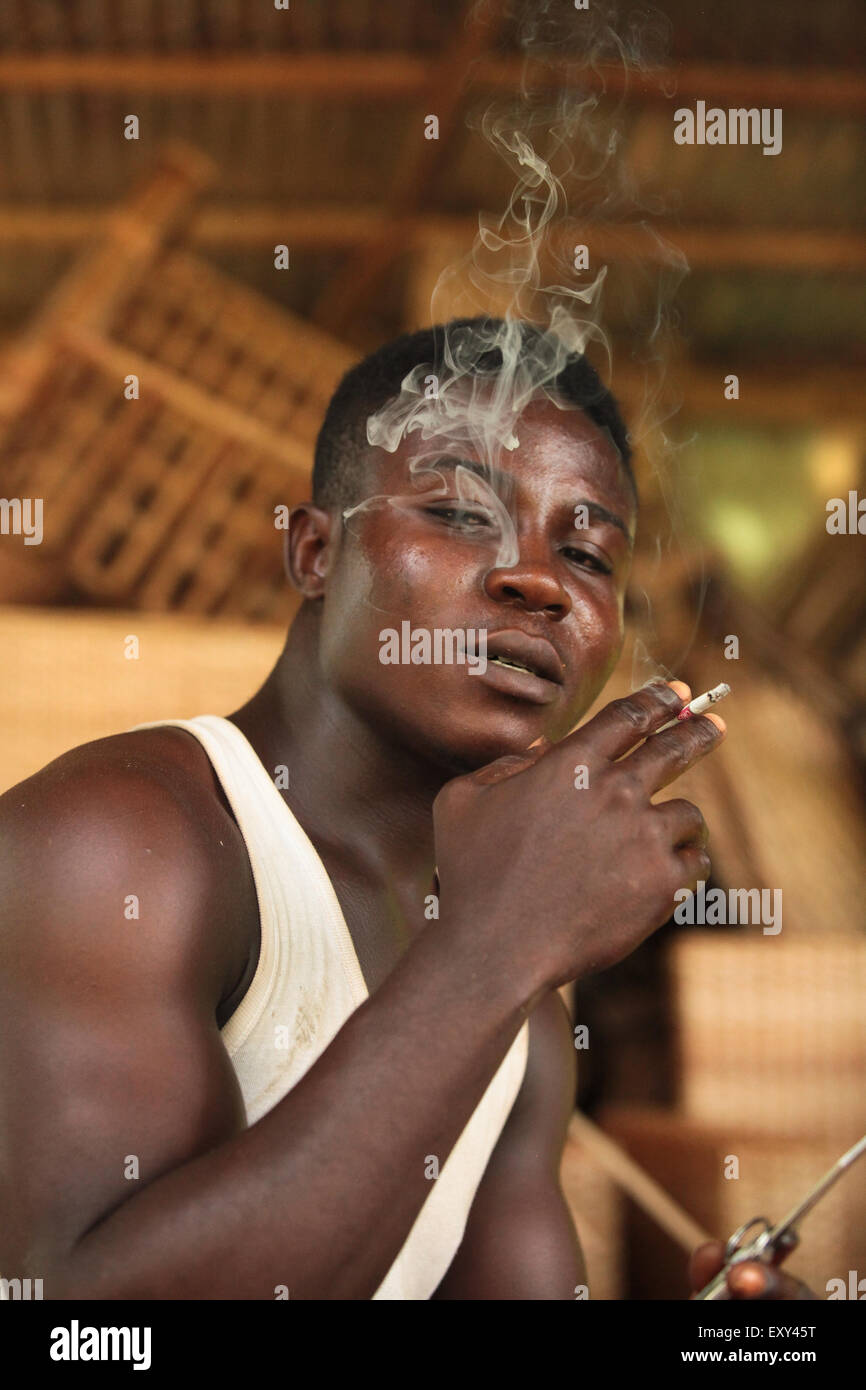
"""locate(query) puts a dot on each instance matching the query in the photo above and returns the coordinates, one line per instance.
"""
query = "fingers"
(683, 690)
(760, 1282)
(749, 1280)
(705, 1263)
(683, 824)
(667, 756)
(695, 866)
(623, 723)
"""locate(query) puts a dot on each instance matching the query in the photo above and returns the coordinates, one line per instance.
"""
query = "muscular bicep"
(112, 1070)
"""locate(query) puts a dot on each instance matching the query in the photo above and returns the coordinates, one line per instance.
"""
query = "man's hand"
(559, 878)
(751, 1279)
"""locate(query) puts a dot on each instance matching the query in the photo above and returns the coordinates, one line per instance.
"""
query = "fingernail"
(718, 721)
(680, 688)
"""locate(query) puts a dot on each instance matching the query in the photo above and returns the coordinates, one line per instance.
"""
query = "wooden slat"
(723, 84)
(332, 226)
(197, 404)
(141, 533)
(362, 76)
(88, 294)
(385, 77)
(801, 395)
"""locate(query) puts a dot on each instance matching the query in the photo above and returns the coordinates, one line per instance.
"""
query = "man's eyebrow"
(597, 512)
(498, 478)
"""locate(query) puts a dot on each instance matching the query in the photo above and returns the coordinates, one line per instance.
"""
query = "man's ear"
(307, 549)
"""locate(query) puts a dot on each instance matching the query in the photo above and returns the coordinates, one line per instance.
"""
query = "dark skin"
(396, 771)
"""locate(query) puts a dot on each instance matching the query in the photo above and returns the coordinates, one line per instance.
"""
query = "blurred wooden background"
(155, 257)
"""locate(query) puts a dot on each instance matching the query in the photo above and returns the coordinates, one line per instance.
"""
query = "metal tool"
(775, 1242)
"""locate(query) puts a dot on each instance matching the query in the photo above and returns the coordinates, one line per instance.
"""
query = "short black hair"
(342, 449)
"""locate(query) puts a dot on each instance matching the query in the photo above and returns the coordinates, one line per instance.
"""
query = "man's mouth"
(523, 667)
(518, 651)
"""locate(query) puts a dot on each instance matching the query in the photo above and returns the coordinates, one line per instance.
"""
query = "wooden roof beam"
(724, 84)
(353, 76)
(798, 395)
(416, 169)
(384, 77)
(332, 226)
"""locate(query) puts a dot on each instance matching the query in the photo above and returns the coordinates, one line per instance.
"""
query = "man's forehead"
(552, 442)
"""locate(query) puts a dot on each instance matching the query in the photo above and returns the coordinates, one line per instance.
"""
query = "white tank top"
(308, 982)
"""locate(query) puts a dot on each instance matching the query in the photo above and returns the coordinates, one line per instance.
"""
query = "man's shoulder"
(153, 771)
(132, 817)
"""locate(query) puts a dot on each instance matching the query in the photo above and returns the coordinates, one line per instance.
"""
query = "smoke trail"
(563, 140)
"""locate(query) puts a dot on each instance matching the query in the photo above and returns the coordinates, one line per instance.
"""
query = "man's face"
(446, 550)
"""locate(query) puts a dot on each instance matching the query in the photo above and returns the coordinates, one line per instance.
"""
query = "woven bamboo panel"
(771, 1034)
(144, 530)
(597, 1208)
(69, 680)
(165, 499)
(690, 1158)
(230, 341)
(226, 554)
(63, 443)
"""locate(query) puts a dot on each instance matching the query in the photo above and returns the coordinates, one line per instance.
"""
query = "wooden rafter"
(807, 395)
(334, 226)
(816, 89)
(401, 76)
(350, 76)
(415, 170)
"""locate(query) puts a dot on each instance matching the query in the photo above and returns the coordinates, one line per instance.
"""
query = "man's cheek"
(599, 647)
(426, 579)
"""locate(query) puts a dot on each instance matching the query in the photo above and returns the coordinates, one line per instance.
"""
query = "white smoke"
(563, 140)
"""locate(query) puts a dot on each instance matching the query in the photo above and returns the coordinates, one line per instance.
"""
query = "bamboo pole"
(335, 226)
(643, 1189)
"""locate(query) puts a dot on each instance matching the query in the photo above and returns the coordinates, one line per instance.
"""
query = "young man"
(279, 990)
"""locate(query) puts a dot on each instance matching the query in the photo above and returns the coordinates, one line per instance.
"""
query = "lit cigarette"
(703, 702)
(698, 705)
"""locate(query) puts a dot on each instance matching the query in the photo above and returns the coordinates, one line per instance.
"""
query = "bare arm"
(110, 1049)
(110, 1053)
(520, 1241)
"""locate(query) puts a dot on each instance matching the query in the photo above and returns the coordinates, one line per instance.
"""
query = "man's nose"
(530, 584)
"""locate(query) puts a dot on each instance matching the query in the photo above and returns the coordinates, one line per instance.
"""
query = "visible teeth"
(515, 665)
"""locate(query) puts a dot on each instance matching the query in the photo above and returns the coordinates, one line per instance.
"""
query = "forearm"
(320, 1194)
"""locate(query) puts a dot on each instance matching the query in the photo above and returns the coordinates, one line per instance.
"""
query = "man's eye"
(461, 516)
(587, 559)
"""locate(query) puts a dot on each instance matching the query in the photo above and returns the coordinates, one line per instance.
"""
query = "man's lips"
(524, 667)
(538, 656)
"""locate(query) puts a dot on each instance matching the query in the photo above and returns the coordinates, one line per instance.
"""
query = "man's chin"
(458, 737)
(465, 754)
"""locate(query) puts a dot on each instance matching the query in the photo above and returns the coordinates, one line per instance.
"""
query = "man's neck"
(366, 799)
